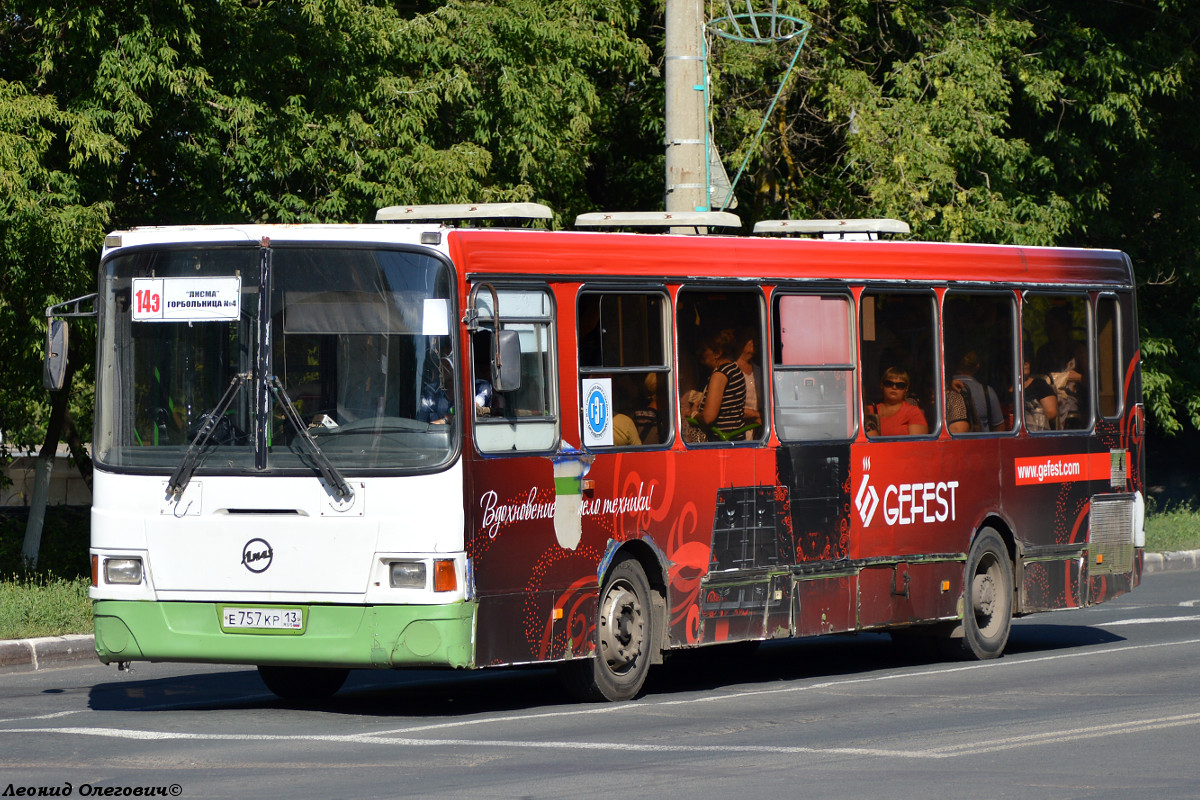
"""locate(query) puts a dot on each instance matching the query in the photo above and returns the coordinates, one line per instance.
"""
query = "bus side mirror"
(506, 361)
(54, 372)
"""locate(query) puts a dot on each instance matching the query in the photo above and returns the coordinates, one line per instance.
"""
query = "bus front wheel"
(987, 597)
(624, 628)
(303, 683)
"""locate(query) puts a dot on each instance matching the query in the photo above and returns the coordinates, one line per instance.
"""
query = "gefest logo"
(866, 501)
(919, 502)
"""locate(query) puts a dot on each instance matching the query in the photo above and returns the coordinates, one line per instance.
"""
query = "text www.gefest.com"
(1053, 469)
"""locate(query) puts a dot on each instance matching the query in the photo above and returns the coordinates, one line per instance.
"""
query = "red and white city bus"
(419, 445)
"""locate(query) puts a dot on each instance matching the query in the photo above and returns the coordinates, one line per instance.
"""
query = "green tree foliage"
(978, 120)
(48, 236)
(1068, 123)
(142, 112)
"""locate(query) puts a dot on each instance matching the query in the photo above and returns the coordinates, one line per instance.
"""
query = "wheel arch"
(1000, 525)
(1008, 535)
(653, 563)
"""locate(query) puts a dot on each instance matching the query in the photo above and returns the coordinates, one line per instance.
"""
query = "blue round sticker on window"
(597, 412)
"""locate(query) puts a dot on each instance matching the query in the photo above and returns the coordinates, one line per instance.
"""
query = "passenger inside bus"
(1063, 359)
(896, 414)
(721, 407)
(625, 433)
(487, 402)
(957, 416)
(1041, 403)
(435, 404)
(984, 401)
(647, 417)
(752, 414)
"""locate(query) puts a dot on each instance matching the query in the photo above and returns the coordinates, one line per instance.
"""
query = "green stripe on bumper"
(335, 636)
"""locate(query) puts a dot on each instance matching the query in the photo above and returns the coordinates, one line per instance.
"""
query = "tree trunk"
(83, 461)
(45, 465)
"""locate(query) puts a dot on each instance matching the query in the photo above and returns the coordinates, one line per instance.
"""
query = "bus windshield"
(359, 341)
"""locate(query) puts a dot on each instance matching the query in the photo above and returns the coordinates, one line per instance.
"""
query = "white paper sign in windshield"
(187, 299)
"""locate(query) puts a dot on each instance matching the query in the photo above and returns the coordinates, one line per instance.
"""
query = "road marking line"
(1147, 621)
(716, 698)
(44, 716)
(398, 737)
(1070, 734)
(952, 751)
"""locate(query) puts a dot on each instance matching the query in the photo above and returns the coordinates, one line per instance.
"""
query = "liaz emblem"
(257, 555)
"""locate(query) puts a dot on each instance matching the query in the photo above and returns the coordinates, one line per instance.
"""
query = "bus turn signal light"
(444, 579)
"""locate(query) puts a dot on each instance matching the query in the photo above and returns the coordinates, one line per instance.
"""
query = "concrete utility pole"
(687, 178)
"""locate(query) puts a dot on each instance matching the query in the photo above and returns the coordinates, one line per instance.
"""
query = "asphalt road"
(1101, 702)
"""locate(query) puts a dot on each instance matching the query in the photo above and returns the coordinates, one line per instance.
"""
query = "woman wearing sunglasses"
(896, 416)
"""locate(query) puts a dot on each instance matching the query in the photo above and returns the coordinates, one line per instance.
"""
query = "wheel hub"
(621, 628)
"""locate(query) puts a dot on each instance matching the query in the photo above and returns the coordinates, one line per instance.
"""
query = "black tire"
(624, 639)
(303, 683)
(987, 597)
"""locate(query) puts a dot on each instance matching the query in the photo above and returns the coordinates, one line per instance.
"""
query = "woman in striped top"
(723, 405)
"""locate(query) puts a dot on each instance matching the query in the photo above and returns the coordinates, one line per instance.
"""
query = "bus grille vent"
(1110, 535)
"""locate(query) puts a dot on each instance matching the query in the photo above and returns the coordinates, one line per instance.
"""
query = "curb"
(1170, 562)
(47, 651)
(57, 651)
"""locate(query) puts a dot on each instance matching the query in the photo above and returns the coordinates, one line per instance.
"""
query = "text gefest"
(909, 503)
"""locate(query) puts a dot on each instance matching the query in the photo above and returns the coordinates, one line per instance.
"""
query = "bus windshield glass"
(359, 342)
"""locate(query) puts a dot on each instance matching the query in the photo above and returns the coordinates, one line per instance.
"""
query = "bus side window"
(1109, 374)
(526, 418)
(814, 367)
(1055, 329)
(901, 387)
(979, 338)
(720, 352)
(623, 346)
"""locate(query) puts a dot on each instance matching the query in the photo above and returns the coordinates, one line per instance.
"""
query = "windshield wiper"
(183, 473)
(328, 471)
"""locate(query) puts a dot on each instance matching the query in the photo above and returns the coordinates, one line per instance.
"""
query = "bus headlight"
(123, 570)
(408, 574)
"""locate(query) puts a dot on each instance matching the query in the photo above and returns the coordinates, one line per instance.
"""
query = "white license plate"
(262, 619)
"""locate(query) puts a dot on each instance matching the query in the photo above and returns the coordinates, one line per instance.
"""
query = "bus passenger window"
(526, 418)
(979, 338)
(1056, 330)
(1108, 358)
(721, 389)
(899, 363)
(481, 362)
(622, 355)
(814, 367)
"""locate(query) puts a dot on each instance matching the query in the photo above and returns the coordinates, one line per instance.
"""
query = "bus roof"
(584, 254)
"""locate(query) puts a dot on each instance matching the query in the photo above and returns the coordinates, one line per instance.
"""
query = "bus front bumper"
(380, 637)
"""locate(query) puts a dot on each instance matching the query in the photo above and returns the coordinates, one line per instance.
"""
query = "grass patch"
(53, 600)
(44, 605)
(1172, 529)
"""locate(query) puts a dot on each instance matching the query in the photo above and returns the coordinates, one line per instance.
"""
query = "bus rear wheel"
(987, 597)
(303, 683)
(624, 637)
